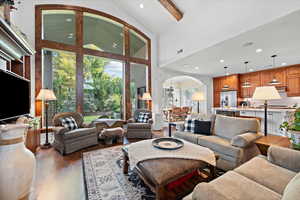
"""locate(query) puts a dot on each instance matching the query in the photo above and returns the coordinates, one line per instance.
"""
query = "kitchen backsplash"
(285, 101)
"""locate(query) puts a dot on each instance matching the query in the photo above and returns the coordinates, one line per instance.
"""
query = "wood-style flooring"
(61, 177)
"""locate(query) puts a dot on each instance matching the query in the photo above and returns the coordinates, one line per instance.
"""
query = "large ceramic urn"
(17, 163)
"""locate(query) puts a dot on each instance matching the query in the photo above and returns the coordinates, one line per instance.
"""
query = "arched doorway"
(179, 90)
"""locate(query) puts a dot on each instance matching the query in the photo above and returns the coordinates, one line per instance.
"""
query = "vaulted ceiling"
(205, 23)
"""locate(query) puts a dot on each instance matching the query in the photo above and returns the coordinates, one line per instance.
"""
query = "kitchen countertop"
(256, 109)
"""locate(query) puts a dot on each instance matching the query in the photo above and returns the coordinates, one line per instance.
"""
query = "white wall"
(24, 18)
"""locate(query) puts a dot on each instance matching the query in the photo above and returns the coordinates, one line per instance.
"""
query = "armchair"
(139, 130)
(66, 141)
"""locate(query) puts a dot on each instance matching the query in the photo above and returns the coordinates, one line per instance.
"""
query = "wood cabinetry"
(268, 75)
(293, 80)
(233, 81)
(255, 81)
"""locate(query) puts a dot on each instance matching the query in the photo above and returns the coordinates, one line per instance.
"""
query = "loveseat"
(232, 138)
(274, 177)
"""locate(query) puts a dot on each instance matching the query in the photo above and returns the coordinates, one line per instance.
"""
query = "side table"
(265, 142)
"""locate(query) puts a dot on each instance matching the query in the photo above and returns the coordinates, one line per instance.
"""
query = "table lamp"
(198, 96)
(266, 93)
(46, 95)
(147, 97)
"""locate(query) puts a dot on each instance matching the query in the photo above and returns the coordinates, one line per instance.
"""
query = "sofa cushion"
(191, 137)
(79, 132)
(292, 190)
(139, 126)
(202, 127)
(228, 127)
(220, 145)
(236, 187)
(267, 174)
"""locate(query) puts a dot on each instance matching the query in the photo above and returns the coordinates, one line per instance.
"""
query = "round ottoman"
(111, 135)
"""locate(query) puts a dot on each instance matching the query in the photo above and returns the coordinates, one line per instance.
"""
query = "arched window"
(96, 64)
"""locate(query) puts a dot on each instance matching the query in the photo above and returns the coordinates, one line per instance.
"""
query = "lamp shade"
(147, 96)
(266, 93)
(46, 95)
(198, 96)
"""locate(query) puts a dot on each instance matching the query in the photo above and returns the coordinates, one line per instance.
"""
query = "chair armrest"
(245, 139)
(100, 126)
(60, 130)
(284, 157)
(131, 120)
(205, 191)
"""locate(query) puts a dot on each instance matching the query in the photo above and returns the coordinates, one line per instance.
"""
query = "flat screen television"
(14, 96)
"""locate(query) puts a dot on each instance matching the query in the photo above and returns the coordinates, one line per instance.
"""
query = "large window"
(85, 56)
(59, 26)
(103, 87)
(59, 74)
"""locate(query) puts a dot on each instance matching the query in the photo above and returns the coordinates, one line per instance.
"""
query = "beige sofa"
(262, 178)
(233, 140)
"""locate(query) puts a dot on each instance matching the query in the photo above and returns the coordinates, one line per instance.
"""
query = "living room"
(139, 99)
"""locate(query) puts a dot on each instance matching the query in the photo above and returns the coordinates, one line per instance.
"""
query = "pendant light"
(246, 84)
(226, 87)
(274, 80)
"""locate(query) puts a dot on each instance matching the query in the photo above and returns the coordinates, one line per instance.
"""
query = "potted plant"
(292, 129)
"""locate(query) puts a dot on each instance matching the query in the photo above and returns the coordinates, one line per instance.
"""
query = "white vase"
(17, 163)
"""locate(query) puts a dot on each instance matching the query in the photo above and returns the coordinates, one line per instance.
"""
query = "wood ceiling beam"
(172, 8)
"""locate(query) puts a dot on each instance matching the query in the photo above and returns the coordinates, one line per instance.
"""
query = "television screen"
(14, 96)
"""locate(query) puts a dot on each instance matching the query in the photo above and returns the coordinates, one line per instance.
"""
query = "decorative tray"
(167, 143)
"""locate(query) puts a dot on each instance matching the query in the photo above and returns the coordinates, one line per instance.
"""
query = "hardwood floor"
(61, 177)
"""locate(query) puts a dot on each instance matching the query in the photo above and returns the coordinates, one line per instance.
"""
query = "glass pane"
(59, 26)
(102, 34)
(59, 74)
(138, 86)
(138, 46)
(103, 88)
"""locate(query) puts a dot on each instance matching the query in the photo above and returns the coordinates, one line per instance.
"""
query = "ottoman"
(112, 135)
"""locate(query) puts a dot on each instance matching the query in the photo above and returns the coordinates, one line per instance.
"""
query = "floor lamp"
(198, 96)
(147, 97)
(46, 95)
(266, 93)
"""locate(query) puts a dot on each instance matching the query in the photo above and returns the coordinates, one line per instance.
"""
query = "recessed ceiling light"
(251, 70)
(196, 67)
(141, 5)
(258, 50)
(283, 64)
(221, 61)
(69, 20)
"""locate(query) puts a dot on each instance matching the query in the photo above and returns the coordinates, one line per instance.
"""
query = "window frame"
(80, 51)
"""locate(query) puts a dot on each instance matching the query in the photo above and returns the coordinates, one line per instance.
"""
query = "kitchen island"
(275, 116)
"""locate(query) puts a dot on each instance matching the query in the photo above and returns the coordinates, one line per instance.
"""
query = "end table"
(265, 142)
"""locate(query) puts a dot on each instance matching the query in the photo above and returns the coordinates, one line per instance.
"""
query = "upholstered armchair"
(135, 129)
(67, 141)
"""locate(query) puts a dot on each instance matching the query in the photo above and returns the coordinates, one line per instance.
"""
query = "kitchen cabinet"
(293, 86)
(254, 79)
(217, 96)
(217, 84)
(293, 70)
(268, 75)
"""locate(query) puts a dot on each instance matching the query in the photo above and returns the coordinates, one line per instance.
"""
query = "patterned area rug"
(104, 178)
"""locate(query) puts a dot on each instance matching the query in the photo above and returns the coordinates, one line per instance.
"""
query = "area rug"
(104, 178)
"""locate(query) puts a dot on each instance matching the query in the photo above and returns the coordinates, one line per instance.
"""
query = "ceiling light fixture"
(283, 64)
(141, 5)
(274, 81)
(221, 61)
(247, 83)
(197, 68)
(226, 87)
(251, 70)
(258, 50)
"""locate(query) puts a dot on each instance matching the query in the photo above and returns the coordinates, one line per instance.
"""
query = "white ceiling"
(280, 37)
(153, 16)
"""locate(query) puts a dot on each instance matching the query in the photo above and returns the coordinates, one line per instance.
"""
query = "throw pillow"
(202, 127)
(69, 123)
(189, 125)
(143, 117)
